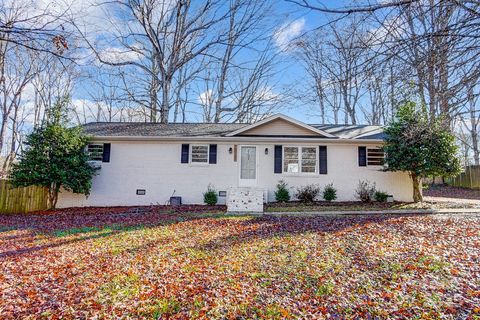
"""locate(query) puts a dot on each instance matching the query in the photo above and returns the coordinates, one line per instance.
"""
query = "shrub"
(380, 196)
(365, 191)
(307, 193)
(55, 157)
(329, 192)
(210, 196)
(282, 194)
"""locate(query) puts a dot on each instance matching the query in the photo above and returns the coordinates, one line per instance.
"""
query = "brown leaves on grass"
(127, 263)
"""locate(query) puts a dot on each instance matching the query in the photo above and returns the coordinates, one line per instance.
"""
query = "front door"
(248, 166)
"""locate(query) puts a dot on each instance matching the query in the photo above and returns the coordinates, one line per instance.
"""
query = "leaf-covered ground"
(129, 264)
(446, 191)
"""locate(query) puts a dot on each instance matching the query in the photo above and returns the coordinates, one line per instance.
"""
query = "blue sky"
(296, 21)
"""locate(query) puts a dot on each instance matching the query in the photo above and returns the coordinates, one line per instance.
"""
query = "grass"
(213, 266)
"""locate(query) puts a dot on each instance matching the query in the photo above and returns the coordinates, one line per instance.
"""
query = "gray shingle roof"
(145, 129)
(352, 131)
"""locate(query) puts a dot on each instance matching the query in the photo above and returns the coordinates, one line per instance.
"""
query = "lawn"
(146, 264)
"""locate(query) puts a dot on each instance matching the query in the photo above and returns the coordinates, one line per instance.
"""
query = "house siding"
(279, 127)
(156, 167)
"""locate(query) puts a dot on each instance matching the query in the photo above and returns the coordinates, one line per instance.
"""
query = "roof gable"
(280, 125)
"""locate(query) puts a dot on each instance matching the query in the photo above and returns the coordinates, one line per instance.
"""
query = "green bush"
(307, 193)
(365, 191)
(329, 192)
(380, 196)
(282, 194)
(210, 196)
(54, 157)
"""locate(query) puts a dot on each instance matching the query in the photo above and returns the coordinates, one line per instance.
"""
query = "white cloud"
(267, 94)
(118, 55)
(206, 98)
(284, 35)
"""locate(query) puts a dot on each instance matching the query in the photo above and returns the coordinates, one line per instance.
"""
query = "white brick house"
(147, 163)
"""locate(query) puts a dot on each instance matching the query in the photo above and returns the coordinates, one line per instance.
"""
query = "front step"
(245, 199)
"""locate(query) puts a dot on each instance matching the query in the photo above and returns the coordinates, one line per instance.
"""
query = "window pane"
(291, 152)
(200, 154)
(309, 159)
(308, 169)
(290, 159)
(95, 152)
(248, 167)
(375, 157)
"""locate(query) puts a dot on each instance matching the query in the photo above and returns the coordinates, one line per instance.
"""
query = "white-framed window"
(299, 159)
(95, 152)
(199, 153)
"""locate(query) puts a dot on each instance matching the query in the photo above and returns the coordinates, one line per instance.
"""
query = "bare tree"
(337, 61)
(345, 11)
(437, 42)
(15, 74)
(159, 38)
(40, 27)
(245, 23)
(468, 129)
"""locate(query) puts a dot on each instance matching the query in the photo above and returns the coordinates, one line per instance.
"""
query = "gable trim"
(285, 118)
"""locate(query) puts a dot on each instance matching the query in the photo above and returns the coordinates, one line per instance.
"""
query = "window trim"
(190, 156)
(300, 173)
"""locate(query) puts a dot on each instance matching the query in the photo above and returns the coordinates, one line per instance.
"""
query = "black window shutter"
(278, 159)
(106, 152)
(362, 156)
(212, 156)
(322, 160)
(185, 150)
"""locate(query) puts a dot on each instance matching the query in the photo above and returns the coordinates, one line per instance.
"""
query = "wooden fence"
(22, 200)
(468, 179)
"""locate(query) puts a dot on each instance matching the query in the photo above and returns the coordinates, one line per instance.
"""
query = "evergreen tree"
(420, 146)
(55, 157)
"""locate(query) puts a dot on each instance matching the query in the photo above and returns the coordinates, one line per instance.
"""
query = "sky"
(293, 21)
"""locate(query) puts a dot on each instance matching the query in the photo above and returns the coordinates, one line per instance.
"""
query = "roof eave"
(234, 139)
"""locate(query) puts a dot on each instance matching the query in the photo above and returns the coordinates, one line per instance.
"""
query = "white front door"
(248, 166)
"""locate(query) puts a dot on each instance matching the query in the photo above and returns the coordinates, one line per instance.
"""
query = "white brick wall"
(245, 200)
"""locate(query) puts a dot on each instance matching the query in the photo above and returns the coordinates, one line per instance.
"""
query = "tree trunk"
(417, 188)
(165, 108)
(53, 195)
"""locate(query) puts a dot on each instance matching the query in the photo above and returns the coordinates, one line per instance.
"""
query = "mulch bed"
(194, 208)
(334, 206)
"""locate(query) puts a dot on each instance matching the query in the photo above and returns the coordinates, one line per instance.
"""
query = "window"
(300, 159)
(375, 157)
(290, 159)
(95, 152)
(199, 154)
(309, 159)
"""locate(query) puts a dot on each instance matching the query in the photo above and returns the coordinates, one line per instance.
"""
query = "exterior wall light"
(266, 151)
(230, 150)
